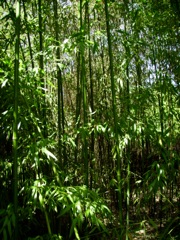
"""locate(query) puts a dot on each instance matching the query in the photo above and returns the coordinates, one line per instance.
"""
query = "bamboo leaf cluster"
(89, 119)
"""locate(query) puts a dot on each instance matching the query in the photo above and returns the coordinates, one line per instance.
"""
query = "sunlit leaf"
(48, 153)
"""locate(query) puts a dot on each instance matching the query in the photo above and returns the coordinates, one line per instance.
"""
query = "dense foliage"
(89, 119)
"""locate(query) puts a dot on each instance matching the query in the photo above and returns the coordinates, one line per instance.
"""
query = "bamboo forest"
(89, 119)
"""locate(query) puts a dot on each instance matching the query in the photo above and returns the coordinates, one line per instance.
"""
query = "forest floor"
(153, 221)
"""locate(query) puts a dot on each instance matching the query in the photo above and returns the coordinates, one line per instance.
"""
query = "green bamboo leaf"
(66, 209)
(5, 234)
(4, 83)
(9, 227)
(76, 233)
(48, 153)
(169, 227)
(72, 142)
(73, 226)
(155, 226)
(87, 213)
(5, 222)
(41, 200)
